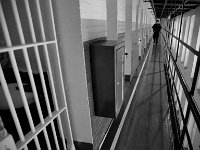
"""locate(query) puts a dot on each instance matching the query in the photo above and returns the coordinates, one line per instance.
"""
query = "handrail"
(182, 115)
(185, 44)
(191, 102)
(172, 112)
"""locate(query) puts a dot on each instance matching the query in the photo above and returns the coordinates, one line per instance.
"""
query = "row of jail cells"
(187, 64)
(32, 105)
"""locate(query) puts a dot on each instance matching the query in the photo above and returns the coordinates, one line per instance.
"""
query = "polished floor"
(147, 124)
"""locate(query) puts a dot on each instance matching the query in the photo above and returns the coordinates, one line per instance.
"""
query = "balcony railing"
(173, 74)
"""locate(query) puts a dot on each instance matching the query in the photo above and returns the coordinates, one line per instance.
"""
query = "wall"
(93, 19)
(121, 16)
(68, 28)
(137, 7)
(134, 13)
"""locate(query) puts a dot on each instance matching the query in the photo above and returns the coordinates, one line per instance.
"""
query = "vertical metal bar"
(37, 143)
(47, 55)
(42, 80)
(16, 70)
(62, 133)
(18, 78)
(46, 138)
(22, 40)
(10, 102)
(26, 57)
(13, 61)
(54, 135)
(28, 63)
(21, 89)
(38, 58)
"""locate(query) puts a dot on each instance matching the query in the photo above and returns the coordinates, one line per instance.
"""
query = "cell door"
(33, 103)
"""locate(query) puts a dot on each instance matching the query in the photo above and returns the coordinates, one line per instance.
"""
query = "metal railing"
(172, 71)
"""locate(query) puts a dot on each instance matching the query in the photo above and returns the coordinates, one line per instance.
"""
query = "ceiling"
(163, 8)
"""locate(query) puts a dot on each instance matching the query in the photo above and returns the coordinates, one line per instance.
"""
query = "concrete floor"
(147, 125)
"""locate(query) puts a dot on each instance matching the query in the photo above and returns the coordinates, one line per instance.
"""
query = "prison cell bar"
(46, 54)
(26, 57)
(31, 70)
(5, 86)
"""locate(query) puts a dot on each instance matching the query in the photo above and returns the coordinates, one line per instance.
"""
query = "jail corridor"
(87, 75)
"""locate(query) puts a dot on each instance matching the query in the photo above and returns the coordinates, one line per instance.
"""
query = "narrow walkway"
(147, 125)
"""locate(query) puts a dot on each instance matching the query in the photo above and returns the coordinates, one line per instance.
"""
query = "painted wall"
(93, 19)
(128, 37)
(121, 4)
(137, 7)
(134, 13)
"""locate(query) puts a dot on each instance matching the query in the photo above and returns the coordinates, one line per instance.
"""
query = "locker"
(107, 68)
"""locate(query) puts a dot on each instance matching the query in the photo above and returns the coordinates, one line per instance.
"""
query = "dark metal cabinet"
(107, 67)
